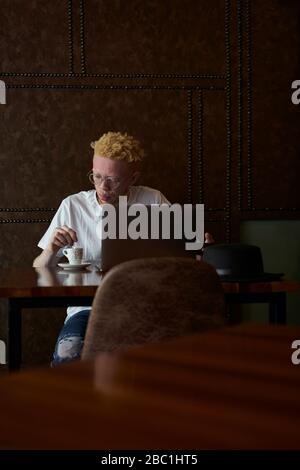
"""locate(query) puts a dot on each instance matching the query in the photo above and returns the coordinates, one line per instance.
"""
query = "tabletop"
(39, 282)
(48, 282)
(27, 287)
(234, 388)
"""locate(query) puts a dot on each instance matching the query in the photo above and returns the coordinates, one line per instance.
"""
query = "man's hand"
(62, 236)
(208, 238)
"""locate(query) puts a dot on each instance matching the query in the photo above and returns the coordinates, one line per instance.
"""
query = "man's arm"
(61, 237)
(45, 259)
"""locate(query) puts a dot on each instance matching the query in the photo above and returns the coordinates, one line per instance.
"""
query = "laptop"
(116, 250)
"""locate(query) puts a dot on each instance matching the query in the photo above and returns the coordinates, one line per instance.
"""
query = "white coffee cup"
(74, 254)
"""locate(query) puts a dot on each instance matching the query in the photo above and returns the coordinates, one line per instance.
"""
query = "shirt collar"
(92, 198)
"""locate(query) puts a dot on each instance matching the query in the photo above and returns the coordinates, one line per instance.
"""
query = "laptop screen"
(140, 231)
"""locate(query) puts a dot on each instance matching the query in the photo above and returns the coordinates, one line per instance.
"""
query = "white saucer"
(71, 267)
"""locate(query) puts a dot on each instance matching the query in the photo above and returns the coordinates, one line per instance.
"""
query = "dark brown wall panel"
(19, 240)
(34, 36)
(275, 163)
(272, 167)
(45, 153)
(170, 36)
(214, 149)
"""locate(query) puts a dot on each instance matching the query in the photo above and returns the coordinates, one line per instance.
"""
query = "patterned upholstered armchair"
(154, 299)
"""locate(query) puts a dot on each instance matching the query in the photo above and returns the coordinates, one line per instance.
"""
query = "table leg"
(14, 335)
(276, 301)
(277, 308)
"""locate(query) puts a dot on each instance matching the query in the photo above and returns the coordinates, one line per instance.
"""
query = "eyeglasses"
(97, 180)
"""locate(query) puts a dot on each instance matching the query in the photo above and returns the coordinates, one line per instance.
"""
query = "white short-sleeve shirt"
(82, 213)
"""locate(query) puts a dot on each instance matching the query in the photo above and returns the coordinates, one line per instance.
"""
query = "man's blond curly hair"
(118, 146)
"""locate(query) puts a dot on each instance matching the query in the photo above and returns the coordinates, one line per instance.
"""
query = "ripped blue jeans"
(70, 340)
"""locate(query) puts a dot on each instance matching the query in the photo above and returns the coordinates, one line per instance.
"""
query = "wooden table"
(272, 293)
(41, 288)
(36, 288)
(235, 388)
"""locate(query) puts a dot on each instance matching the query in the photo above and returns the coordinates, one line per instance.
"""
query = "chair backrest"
(149, 300)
